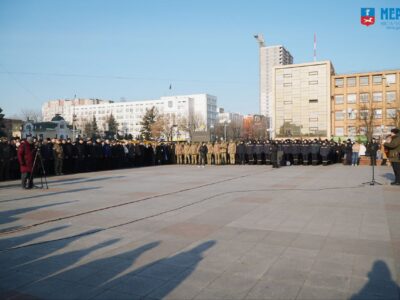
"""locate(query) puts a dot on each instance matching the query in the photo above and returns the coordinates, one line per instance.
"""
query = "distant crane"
(260, 38)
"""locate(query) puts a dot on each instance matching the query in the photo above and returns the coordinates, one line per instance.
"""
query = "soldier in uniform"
(267, 152)
(58, 155)
(296, 152)
(186, 152)
(259, 148)
(178, 153)
(217, 153)
(250, 151)
(193, 153)
(223, 150)
(305, 152)
(241, 151)
(232, 152)
(210, 152)
(315, 152)
(5, 159)
(324, 152)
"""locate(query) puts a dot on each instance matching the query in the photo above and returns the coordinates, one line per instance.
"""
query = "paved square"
(222, 232)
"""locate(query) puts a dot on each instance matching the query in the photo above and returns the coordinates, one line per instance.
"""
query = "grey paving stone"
(273, 290)
(309, 293)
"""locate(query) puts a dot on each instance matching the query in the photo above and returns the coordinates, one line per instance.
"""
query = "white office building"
(270, 56)
(198, 111)
(302, 94)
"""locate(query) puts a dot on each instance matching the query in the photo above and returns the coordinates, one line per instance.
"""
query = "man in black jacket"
(241, 151)
(203, 154)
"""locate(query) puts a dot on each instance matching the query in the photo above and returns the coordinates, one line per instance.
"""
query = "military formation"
(86, 155)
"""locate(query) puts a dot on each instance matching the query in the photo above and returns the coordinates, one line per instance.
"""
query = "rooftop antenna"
(260, 38)
(315, 47)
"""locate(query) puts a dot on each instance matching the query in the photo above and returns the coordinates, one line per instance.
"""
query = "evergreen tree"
(2, 132)
(147, 122)
(95, 129)
(112, 126)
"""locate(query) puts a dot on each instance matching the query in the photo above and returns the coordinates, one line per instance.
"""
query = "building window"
(377, 79)
(390, 97)
(287, 102)
(339, 131)
(364, 98)
(363, 130)
(339, 82)
(313, 73)
(339, 99)
(313, 119)
(351, 81)
(390, 78)
(377, 97)
(313, 101)
(313, 82)
(339, 116)
(287, 84)
(287, 75)
(364, 114)
(351, 98)
(377, 113)
(364, 80)
(351, 114)
(391, 113)
(351, 130)
(313, 129)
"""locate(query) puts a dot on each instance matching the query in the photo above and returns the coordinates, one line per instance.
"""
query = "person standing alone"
(25, 158)
(393, 144)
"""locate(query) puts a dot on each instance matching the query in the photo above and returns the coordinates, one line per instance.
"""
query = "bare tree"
(31, 115)
(194, 123)
(367, 117)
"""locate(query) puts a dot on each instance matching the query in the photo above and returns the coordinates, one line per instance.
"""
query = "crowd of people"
(58, 157)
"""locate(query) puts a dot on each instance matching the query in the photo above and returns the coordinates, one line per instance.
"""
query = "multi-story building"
(66, 107)
(301, 106)
(197, 111)
(270, 56)
(365, 104)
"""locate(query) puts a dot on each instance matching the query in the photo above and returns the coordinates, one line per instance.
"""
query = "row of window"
(311, 82)
(362, 130)
(351, 114)
(365, 80)
(365, 97)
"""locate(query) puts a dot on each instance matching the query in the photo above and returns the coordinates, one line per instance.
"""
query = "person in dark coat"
(203, 154)
(274, 155)
(250, 151)
(80, 162)
(5, 159)
(296, 152)
(315, 146)
(107, 155)
(305, 152)
(349, 152)
(324, 152)
(25, 159)
(241, 152)
(259, 149)
(68, 150)
(372, 149)
(267, 152)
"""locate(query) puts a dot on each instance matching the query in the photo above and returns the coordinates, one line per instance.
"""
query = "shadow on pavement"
(388, 176)
(10, 216)
(380, 284)
(52, 194)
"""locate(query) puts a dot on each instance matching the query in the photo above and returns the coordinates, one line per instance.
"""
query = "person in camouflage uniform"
(186, 153)
(210, 152)
(58, 154)
(232, 152)
(217, 153)
(223, 150)
(194, 150)
(179, 153)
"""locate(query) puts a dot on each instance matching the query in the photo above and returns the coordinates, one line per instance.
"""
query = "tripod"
(43, 177)
(373, 162)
